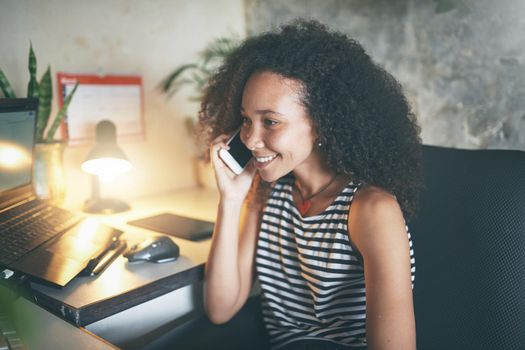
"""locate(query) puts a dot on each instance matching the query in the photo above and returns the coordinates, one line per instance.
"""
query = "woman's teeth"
(265, 159)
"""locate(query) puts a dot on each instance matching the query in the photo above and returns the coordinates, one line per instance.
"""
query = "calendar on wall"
(113, 97)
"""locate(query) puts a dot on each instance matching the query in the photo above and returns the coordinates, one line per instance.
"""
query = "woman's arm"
(229, 268)
(377, 228)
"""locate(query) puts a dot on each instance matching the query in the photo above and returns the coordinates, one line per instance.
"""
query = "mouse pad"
(175, 225)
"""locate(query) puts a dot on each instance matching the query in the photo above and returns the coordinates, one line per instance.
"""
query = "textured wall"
(462, 62)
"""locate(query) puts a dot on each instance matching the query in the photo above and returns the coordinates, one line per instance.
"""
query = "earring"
(319, 144)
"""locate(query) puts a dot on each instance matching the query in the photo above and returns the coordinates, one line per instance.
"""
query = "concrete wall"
(147, 38)
(462, 62)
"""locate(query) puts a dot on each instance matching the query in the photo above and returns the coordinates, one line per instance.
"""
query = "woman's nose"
(252, 139)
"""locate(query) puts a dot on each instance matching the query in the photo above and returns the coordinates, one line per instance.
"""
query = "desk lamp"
(105, 161)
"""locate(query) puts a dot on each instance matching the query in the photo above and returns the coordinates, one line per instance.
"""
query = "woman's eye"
(245, 121)
(270, 122)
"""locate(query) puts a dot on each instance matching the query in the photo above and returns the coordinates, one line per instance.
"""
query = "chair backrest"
(469, 241)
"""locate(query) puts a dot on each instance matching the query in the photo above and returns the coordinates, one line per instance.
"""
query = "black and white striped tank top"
(311, 276)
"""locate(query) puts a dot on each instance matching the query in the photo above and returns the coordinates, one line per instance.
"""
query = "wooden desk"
(122, 285)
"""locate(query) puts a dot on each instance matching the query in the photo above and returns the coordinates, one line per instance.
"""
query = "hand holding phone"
(238, 156)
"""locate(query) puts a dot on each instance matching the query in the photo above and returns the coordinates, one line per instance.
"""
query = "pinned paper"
(116, 98)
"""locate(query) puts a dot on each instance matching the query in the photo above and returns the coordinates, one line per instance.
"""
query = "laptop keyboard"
(28, 225)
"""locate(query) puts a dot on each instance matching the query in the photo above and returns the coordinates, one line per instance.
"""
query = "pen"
(106, 260)
(96, 261)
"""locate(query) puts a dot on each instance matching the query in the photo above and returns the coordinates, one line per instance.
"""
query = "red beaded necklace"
(305, 204)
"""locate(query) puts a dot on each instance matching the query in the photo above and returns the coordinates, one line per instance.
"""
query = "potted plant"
(197, 75)
(48, 176)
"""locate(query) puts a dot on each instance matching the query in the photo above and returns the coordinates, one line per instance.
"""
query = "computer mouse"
(157, 249)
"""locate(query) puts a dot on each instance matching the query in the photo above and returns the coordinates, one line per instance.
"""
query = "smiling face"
(276, 127)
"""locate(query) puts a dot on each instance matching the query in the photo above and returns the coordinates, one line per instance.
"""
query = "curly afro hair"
(359, 110)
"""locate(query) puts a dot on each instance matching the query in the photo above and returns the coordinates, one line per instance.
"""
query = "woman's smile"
(261, 162)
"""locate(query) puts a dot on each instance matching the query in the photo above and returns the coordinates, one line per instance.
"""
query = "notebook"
(175, 225)
(37, 239)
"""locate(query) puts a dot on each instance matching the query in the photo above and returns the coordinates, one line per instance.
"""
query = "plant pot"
(48, 172)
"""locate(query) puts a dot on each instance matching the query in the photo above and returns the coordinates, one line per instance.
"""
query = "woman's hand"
(230, 185)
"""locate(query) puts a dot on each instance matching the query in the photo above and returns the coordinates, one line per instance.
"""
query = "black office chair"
(469, 241)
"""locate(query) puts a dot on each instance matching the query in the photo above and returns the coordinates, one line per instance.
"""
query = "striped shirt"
(311, 276)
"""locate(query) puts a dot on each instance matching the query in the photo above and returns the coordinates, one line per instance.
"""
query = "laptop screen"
(17, 130)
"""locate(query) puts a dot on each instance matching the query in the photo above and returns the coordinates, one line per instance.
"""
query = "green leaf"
(218, 50)
(176, 85)
(5, 86)
(32, 87)
(167, 84)
(209, 60)
(45, 96)
(199, 79)
(60, 115)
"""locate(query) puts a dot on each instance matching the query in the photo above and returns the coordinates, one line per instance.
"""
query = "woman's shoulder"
(374, 215)
(373, 200)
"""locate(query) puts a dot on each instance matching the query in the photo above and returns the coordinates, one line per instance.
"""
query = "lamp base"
(105, 206)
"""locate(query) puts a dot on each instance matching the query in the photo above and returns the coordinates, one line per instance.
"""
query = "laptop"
(47, 243)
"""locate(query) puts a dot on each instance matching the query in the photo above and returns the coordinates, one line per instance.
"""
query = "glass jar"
(48, 173)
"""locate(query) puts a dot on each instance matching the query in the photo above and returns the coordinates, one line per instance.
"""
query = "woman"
(318, 214)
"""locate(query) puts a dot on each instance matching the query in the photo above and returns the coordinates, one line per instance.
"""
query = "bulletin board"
(113, 97)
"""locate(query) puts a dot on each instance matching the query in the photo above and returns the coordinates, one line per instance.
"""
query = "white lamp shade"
(106, 167)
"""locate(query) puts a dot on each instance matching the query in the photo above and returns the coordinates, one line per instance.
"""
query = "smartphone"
(238, 156)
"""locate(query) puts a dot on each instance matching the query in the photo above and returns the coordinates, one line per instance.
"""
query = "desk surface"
(123, 285)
